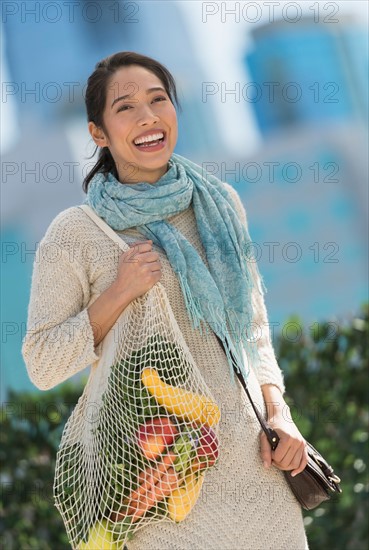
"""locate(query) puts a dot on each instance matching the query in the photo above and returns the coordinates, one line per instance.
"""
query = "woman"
(132, 119)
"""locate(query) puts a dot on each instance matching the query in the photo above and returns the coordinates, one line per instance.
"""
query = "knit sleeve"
(59, 340)
(269, 371)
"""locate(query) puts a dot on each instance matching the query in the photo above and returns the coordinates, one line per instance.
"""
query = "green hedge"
(326, 373)
(326, 377)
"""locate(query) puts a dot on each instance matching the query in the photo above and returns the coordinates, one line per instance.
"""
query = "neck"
(142, 176)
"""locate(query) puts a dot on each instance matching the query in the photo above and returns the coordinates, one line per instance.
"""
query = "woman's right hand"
(139, 269)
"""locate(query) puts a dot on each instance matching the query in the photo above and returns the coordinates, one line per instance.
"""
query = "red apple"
(207, 449)
(155, 435)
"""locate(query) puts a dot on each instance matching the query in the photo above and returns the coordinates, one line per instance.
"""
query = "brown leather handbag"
(317, 482)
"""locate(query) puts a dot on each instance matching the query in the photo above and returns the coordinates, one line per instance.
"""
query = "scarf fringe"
(233, 346)
(194, 312)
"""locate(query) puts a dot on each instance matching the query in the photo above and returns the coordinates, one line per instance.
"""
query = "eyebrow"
(149, 91)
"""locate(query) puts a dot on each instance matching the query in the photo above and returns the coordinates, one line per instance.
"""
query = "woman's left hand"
(291, 452)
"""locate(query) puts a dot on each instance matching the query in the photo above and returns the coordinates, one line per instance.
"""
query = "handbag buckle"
(335, 478)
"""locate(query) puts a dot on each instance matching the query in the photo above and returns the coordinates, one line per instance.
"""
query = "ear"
(98, 135)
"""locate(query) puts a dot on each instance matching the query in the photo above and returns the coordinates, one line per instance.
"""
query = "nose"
(147, 116)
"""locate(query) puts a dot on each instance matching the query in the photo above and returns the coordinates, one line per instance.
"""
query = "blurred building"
(306, 199)
(308, 73)
(309, 180)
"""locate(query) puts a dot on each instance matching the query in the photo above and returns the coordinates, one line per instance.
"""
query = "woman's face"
(142, 112)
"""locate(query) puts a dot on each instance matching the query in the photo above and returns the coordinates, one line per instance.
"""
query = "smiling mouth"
(154, 133)
(149, 143)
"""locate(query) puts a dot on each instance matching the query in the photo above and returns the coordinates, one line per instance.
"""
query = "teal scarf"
(219, 296)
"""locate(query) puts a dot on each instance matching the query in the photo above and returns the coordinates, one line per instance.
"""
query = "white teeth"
(147, 139)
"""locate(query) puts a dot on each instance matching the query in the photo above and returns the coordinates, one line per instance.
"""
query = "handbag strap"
(271, 434)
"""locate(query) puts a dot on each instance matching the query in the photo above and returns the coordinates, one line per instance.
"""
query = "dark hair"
(95, 99)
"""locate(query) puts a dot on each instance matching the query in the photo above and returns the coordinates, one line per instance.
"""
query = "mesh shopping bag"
(142, 436)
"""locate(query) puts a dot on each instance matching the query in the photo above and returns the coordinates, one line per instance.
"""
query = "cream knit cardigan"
(252, 508)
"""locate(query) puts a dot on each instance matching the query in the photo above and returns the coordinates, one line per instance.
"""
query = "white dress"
(250, 507)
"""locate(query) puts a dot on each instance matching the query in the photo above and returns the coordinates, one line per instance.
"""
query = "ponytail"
(105, 164)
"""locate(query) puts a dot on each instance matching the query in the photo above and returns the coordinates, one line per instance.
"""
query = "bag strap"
(271, 434)
(104, 227)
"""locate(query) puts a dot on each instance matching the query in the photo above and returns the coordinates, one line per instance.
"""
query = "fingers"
(139, 246)
(149, 257)
(284, 454)
(265, 450)
(290, 454)
(303, 462)
(143, 253)
(144, 249)
(294, 459)
(137, 243)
